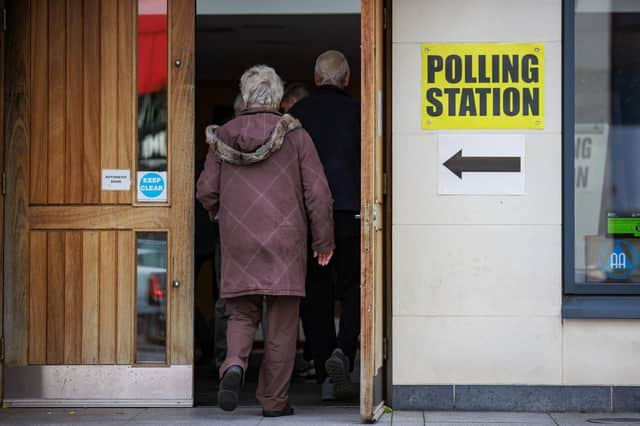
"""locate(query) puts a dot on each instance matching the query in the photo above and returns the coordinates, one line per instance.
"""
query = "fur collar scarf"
(274, 142)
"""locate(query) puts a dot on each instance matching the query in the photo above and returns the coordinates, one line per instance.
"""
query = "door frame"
(376, 207)
(15, 131)
(388, 194)
(2, 133)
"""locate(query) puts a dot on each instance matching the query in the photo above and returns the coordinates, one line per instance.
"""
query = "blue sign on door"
(152, 186)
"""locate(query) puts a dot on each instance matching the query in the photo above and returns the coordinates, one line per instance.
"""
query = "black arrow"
(459, 164)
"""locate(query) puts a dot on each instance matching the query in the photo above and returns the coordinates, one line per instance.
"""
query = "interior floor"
(304, 391)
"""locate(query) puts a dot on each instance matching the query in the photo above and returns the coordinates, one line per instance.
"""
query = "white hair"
(238, 103)
(331, 68)
(260, 85)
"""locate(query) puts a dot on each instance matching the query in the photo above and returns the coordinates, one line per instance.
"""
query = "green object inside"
(623, 226)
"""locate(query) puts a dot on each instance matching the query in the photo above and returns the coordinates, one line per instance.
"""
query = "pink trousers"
(281, 334)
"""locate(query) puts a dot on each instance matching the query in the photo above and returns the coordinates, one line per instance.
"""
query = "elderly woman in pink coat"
(264, 181)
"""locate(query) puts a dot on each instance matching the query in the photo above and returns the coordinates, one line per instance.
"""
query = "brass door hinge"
(384, 184)
(4, 20)
(384, 18)
(376, 216)
(385, 348)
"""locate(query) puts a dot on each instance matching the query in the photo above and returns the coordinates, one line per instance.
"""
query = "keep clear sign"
(483, 86)
(152, 187)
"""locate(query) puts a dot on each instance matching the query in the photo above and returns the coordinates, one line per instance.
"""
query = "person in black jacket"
(332, 118)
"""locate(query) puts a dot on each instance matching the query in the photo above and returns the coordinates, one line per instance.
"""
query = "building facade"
(494, 304)
(500, 213)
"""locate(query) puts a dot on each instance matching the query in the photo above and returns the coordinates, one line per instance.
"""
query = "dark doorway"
(227, 45)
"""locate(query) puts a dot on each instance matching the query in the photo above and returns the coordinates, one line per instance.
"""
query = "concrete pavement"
(250, 416)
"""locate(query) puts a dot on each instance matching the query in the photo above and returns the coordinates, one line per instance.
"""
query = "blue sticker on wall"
(618, 259)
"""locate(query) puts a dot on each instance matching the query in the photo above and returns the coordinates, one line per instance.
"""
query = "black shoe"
(229, 391)
(286, 411)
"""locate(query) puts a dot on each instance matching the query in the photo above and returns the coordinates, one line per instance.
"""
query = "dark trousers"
(212, 346)
(202, 328)
(281, 336)
(340, 280)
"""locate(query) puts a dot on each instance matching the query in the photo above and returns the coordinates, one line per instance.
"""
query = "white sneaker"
(337, 367)
(328, 392)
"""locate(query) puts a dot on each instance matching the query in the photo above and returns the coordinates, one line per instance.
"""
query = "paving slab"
(243, 416)
(305, 415)
(319, 416)
(591, 419)
(483, 424)
(68, 415)
(199, 416)
(408, 418)
(487, 417)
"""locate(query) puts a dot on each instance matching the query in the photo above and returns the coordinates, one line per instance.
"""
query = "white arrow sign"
(481, 164)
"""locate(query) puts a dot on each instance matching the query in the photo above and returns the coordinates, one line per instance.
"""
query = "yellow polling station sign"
(482, 86)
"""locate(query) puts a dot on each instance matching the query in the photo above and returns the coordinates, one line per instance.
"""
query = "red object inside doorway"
(152, 53)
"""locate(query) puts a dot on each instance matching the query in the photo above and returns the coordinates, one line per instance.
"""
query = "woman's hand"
(323, 257)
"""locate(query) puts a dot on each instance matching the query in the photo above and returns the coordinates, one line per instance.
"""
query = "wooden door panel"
(125, 297)
(37, 298)
(74, 155)
(39, 100)
(2, 132)
(98, 217)
(55, 297)
(127, 104)
(109, 90)
(71, 253)
(73, 284)
(108, 290)
(372, 303)
(56, 91)
(91, 86)
(378, 201)
(90, 296)
(82, 76)
(82, 296)
(181, 109)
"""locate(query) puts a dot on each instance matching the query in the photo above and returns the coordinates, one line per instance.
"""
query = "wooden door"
(75, 253)
(372, 283)
(2, 49)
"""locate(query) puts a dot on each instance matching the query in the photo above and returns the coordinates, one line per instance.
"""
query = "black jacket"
(332, 119)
